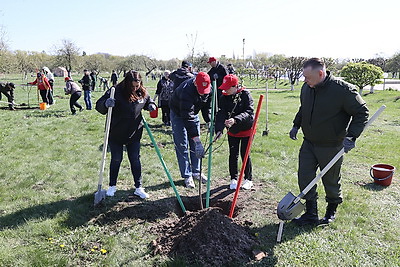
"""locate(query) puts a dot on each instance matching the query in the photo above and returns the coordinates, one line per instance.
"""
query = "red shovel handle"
(246, 155)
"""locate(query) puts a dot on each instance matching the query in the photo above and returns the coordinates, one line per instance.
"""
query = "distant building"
(60, 72)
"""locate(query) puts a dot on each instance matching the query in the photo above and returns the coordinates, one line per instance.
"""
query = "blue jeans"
(187, 160)
(133, 150)
(87, 98)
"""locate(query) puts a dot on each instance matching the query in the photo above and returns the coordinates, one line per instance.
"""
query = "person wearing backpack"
(164, 92)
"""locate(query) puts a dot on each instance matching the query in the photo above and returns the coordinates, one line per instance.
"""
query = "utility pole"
(244, 62)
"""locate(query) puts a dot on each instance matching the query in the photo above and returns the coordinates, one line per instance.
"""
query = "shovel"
(101, 194)
(291, 206)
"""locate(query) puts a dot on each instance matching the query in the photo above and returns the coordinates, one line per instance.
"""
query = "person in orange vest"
(43, 86)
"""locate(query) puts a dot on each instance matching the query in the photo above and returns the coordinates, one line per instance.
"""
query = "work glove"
(199, 149)
(349, 143)
(110, 102)
(229, 122)
(293, 133)
(217, 136)
(152, 107)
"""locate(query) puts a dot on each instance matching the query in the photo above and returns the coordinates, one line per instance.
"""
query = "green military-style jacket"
(331, 111)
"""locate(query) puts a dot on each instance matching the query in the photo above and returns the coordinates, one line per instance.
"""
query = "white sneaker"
(197, 177)
(233, 184)
(111, 191)
(141, 193)
(247, 184)
(189, 182)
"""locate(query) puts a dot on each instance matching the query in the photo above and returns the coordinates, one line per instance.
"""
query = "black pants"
(165, 112)
(133, 150)
(73, 101)
(50, 94)
(45, 96)
(234, 144)
(10, 97)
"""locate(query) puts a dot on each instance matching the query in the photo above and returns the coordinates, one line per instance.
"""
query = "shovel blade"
(99, 196)
(288, 209)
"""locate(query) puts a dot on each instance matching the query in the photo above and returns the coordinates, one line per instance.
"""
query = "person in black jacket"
(236, 113)
(86, 82)
(126, 127)
(8, 90)
(332, 115)
(114, 78)
(164, 92)
(185, 104)
(216, 73)
(181, 74)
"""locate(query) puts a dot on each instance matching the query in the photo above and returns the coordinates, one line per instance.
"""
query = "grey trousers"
(310, 158)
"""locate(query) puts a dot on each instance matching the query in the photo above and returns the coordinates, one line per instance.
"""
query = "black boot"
(330, 214)
(310, 216)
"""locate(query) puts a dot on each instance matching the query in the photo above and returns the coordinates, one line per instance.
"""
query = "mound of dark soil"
(206, 237)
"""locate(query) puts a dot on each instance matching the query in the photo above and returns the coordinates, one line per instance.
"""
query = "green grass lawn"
(49, 171)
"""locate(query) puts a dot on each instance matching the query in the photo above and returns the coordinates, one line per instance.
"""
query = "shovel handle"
(105, 144)
(335, 159)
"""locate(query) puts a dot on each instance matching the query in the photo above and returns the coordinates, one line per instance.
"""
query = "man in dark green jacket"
(332, 115)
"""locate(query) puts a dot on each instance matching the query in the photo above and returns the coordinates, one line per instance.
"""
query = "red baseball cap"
(229, 81)
(67, 78)
(211, 59)
(203, 83)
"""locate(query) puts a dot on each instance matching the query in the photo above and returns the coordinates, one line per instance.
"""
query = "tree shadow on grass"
(124, 205)
(82, 211)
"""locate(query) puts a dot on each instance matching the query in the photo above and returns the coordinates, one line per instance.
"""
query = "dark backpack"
(167, 90)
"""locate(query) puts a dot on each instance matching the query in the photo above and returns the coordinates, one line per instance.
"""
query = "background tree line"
(259, 66)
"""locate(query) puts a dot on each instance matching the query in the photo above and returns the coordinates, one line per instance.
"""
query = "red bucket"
(154, 113)
(382, 174)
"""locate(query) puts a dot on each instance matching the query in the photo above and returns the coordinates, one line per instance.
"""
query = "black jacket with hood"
(126, 119)
(239, 107)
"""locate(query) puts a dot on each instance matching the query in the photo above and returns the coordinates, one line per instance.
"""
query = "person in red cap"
(73, 89)
(236, 114)
(185, 104)
(217, 71)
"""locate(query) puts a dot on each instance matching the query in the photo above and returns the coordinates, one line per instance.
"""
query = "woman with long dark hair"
(126, 127)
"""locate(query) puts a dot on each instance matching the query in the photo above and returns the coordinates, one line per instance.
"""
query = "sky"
(167, 29)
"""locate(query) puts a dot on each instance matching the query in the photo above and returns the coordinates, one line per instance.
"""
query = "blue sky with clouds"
(163, 29)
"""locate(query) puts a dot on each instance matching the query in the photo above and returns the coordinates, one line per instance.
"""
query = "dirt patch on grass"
(206, 237)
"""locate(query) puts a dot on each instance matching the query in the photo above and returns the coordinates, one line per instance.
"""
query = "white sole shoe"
(233, 184)
(189, 182)
(111, 191)
(247, 184)
(141, 193)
